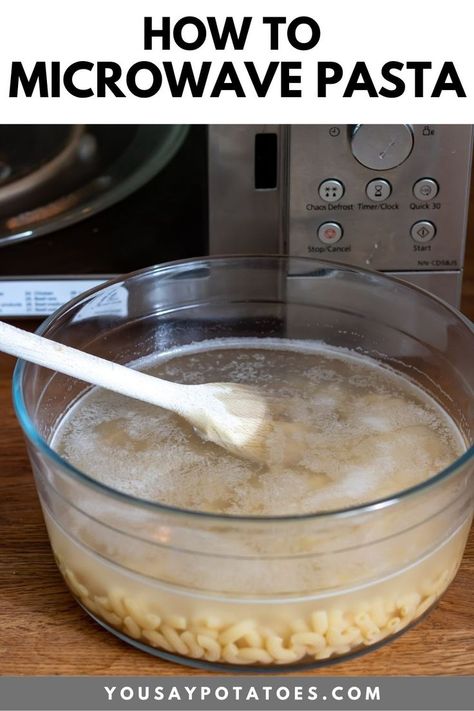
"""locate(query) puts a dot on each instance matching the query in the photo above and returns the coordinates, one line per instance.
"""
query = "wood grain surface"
(43, 630)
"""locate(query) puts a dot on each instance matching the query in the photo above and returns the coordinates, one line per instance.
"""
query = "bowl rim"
(33, 436)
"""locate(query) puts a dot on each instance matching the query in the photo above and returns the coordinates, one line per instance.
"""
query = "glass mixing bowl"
(231, 592)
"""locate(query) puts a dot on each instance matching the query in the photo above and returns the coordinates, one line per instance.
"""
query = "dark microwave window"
(164, 220)
(266, 161)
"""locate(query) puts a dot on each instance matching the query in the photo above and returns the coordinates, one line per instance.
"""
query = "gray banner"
(246, 693)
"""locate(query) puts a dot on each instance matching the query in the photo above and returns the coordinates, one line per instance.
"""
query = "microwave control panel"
(387, 197)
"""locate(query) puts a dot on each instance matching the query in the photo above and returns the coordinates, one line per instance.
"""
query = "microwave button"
(330, 232)
(423, 231)
(381, 147)
(378, 190)
(331, 190)
(425, 189)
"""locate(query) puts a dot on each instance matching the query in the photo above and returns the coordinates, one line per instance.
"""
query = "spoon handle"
(92, 369)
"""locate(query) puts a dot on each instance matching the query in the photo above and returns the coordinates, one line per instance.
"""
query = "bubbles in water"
(360, 432)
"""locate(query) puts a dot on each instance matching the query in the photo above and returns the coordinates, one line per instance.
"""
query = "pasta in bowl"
(201, 557)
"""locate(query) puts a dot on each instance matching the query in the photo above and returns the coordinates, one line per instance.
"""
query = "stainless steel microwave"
(79, 204)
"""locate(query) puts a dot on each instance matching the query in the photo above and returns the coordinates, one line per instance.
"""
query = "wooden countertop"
(43, 630)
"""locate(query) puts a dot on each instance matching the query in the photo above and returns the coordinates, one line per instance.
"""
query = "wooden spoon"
(231, 415)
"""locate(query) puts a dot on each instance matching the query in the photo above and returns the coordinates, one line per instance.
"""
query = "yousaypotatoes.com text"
(268, 692)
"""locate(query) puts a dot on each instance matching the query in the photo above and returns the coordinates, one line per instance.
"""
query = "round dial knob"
(381, 147)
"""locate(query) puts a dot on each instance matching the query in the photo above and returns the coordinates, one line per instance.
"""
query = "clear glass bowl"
(237, 592)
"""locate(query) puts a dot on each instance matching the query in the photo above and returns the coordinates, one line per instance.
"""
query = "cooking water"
(366, 433)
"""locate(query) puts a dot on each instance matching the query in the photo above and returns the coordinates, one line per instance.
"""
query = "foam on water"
(362, 433)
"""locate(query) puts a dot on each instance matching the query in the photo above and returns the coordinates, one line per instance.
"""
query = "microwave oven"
(80, 204)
